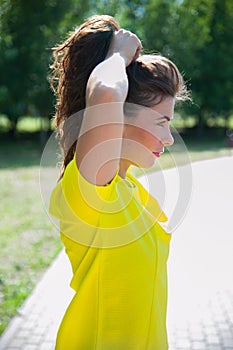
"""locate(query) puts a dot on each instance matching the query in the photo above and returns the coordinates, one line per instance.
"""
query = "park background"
(196, 34)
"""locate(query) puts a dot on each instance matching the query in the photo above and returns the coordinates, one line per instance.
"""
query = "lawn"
(29, 242)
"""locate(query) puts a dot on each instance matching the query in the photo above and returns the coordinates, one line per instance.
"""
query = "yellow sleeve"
(77, 204)
(84, 198)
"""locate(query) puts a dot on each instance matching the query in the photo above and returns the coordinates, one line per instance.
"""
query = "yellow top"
(118, 252)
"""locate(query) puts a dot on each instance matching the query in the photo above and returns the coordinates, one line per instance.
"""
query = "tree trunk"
(43, 133)
(13, 127)
(201, 125)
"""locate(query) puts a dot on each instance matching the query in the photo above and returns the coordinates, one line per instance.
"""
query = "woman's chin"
(145, 164)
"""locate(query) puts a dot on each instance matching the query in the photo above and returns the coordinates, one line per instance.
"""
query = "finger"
(138, 52)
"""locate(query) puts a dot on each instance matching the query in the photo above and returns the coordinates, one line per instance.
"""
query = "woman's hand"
(127, 44)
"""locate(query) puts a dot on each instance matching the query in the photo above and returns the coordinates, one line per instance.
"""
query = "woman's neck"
(123, 167)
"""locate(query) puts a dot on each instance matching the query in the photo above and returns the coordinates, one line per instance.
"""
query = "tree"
(200, 41)
(216, 62)
(189, 36)
(197, 35)
(27, 32)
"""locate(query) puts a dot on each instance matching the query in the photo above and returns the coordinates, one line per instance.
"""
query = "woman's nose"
(168, 140)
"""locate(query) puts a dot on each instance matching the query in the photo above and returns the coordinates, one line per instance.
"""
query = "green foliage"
(196, 34)
(27, 31)
(204, 51)
(217, 60)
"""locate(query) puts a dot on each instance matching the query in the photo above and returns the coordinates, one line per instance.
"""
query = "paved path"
(200, 308)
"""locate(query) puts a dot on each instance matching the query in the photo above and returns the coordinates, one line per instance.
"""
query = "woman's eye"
(161, 123)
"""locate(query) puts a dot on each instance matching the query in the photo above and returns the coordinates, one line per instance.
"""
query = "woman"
(114, 109)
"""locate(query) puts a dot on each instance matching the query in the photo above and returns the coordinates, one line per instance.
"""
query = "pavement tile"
(226, 334)
(23, 333)
(182, 333)
(41, 330)
(211, 331)
(198, 346)
(47, 346)
(34, 339)
(224, 327)
(18, 342)
(230, 317)
(213, 340)
(183, 343)
(228, 342)
(28, 325)
(30, 347)
(197, 335)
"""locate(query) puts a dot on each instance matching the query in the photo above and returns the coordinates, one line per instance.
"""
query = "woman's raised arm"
(98, 148)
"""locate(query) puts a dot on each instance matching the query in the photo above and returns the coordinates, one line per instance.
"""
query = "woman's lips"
(157, 154)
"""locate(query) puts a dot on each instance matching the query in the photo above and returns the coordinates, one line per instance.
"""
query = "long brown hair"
(151, 77)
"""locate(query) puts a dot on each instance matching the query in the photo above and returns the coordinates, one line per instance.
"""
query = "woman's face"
(147, 133)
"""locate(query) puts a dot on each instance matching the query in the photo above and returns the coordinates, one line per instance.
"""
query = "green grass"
(27, 123)
(29, 242)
